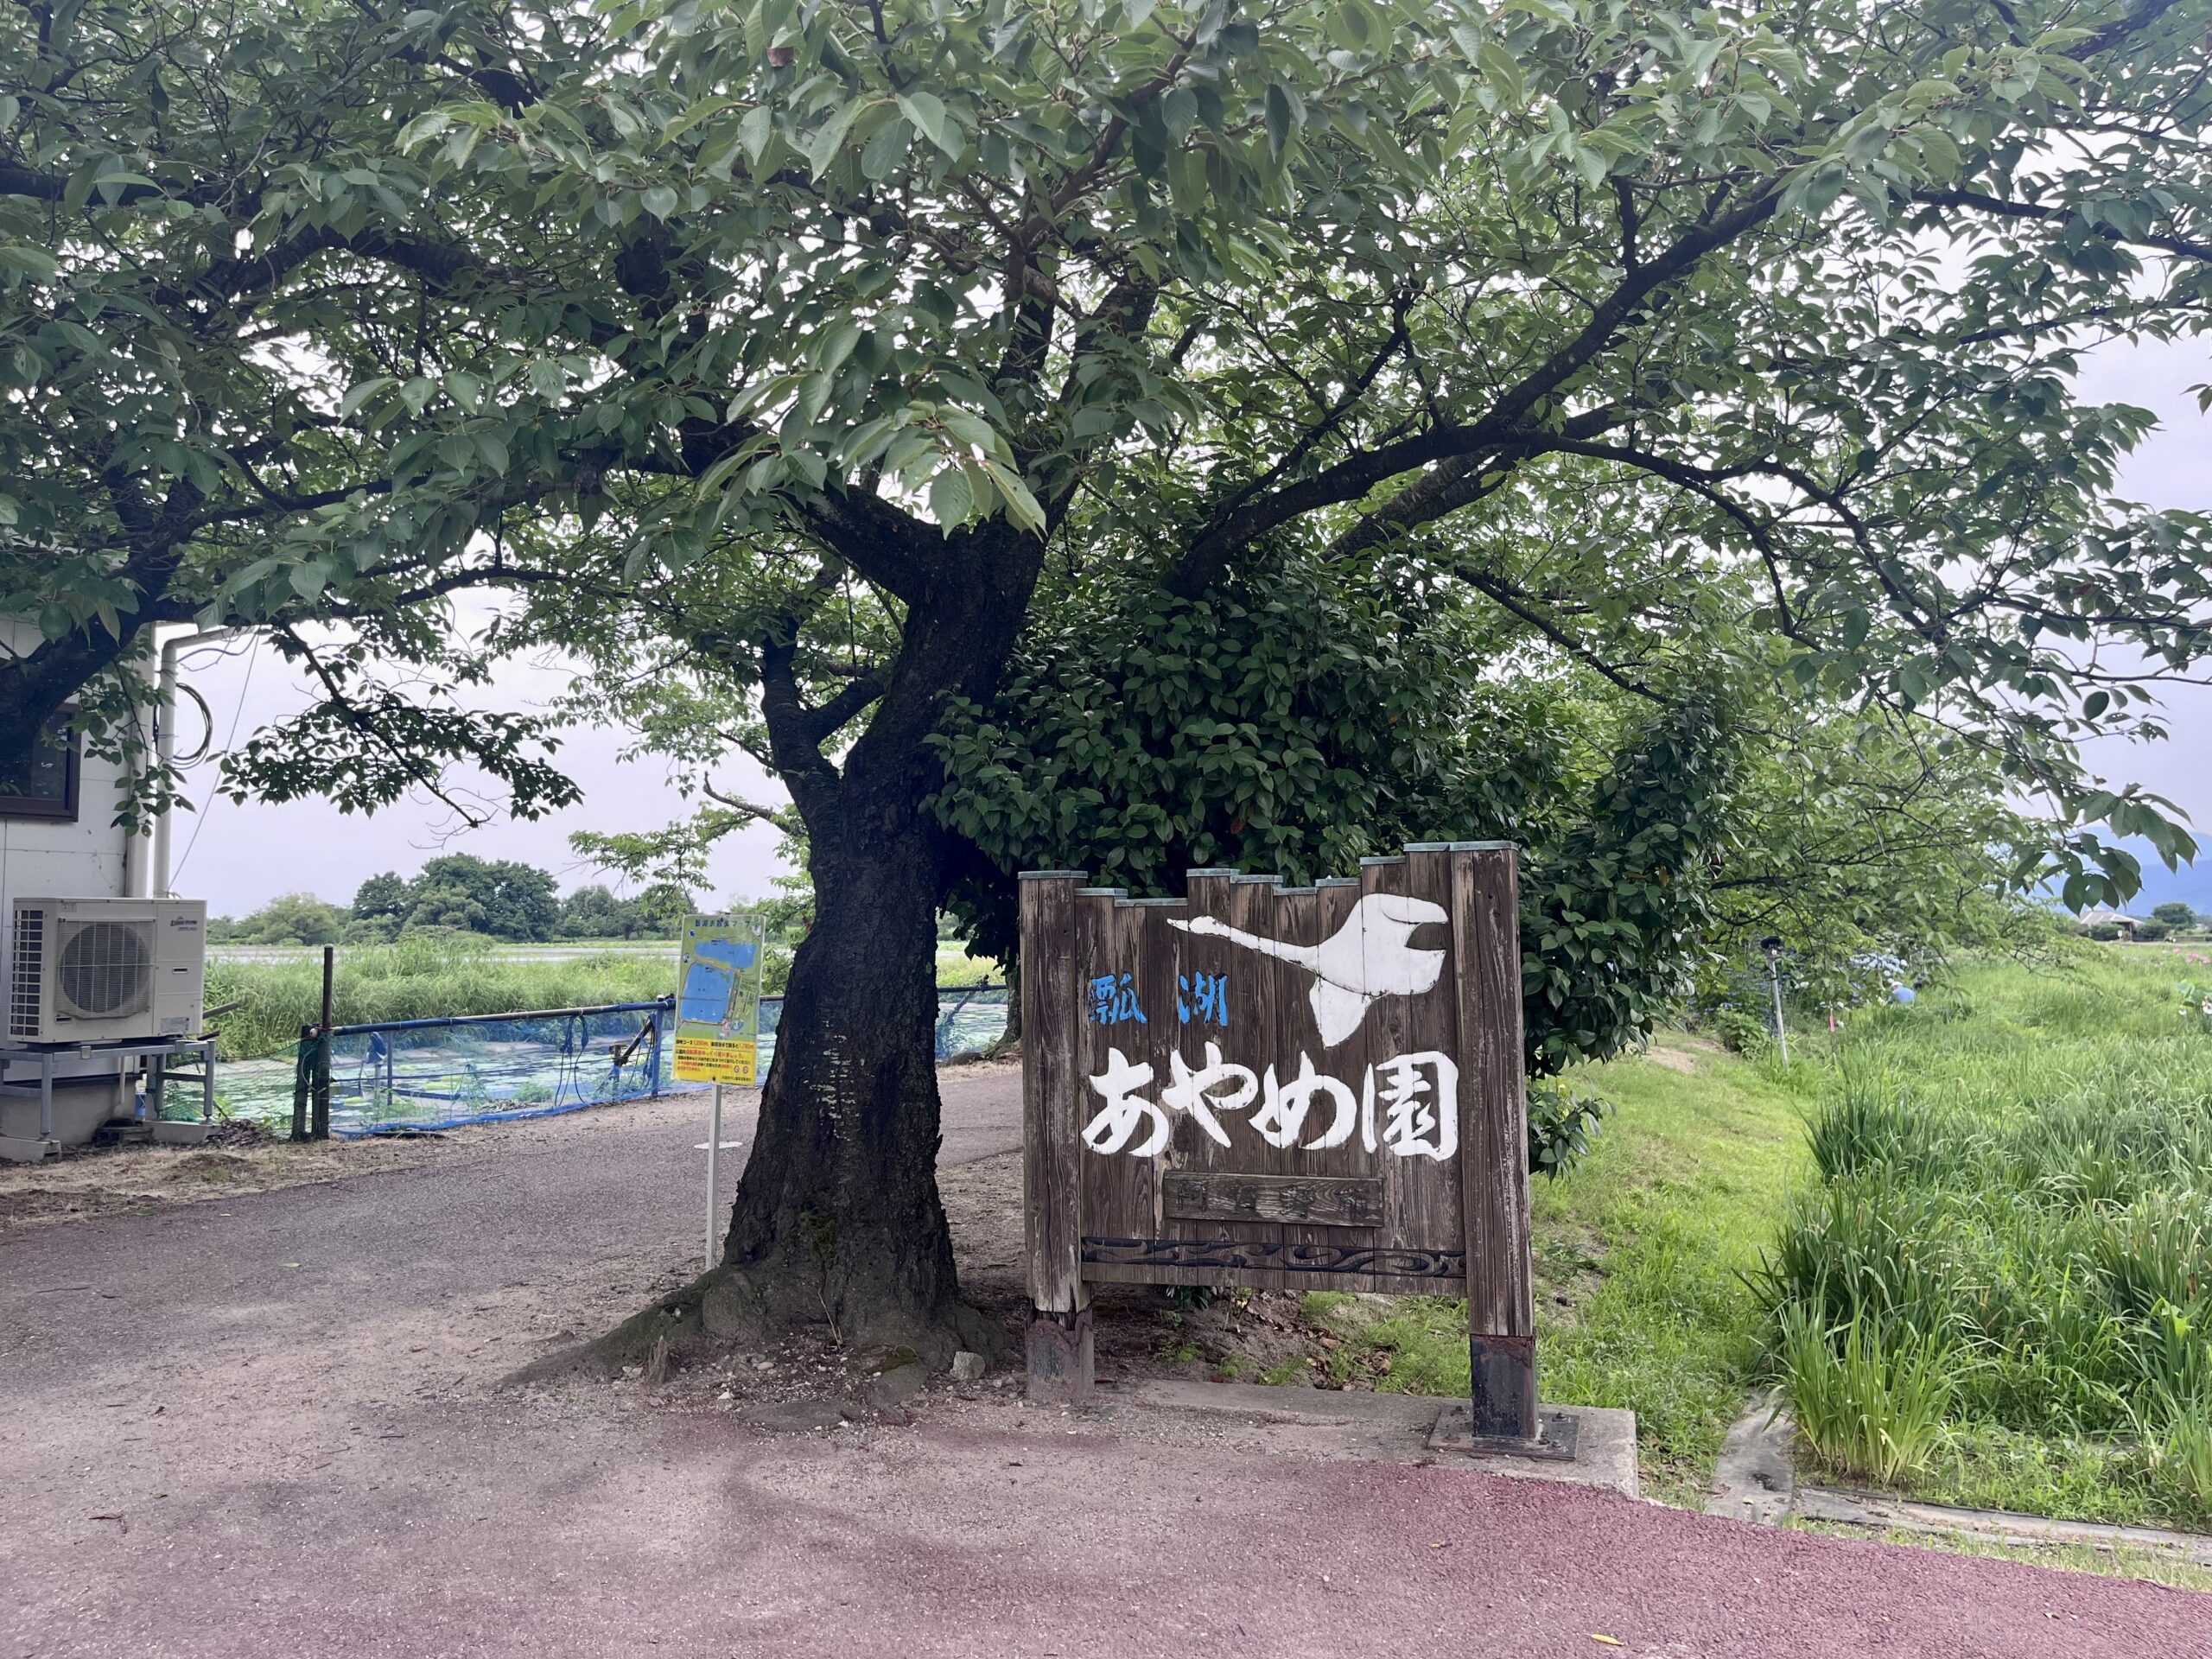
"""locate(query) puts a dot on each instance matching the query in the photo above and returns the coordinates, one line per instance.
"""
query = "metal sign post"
(1773, 949)
(714, 1181)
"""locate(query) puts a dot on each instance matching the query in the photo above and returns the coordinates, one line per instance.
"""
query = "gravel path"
(267, 1424)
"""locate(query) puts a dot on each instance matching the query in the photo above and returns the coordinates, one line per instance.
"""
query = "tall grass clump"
(2024, 1189)
(417, 979)
(1869, 1398)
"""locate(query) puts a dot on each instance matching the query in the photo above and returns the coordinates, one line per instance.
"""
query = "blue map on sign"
(712, 981)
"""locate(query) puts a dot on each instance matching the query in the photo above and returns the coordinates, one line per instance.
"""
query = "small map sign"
(718, 1000)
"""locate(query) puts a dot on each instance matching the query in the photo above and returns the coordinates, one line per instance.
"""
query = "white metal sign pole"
(714, 1181)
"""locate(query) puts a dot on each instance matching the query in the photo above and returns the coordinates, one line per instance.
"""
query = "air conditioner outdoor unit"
(98, 971)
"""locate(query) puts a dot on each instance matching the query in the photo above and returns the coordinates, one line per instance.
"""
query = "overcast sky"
(238, 857)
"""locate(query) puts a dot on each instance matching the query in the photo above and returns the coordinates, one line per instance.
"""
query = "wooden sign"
(1290, 1088)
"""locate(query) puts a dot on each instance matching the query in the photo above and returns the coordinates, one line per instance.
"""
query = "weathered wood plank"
(1116, 1188)
(1431, 1208)
(1354, 1201)
(1385, 1033)
(1438, 1274)
(1050, 1093)
(1494, 1159)
(1144, 937)
(1251, 909)
(1296, 920)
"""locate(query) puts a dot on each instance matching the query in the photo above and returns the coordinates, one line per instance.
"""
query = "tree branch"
(1230, 531)
(2003, 207)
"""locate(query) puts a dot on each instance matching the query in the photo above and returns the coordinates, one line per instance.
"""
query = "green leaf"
(1021, 506)
(1178, 113)
(928, 114)
(424, 127)
(952, 499)
(36, 262)
(885, 149)
(659, 200)
(822, 148)
(1279, 119)
(359, 394)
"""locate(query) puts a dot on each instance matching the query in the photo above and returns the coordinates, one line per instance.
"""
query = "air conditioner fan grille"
(104, 969)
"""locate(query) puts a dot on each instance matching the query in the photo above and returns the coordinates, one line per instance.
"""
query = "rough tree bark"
(837, 1223)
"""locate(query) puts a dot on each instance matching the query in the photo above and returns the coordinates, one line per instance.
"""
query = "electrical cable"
(199, 819)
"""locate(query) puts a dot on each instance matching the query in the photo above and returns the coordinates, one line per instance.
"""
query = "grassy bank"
(415, 980)
(427, 977)
(1972, 1236)
(2000, 1290)
(1643, 1259)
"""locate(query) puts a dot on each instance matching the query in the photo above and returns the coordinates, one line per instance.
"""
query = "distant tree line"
(498, 899)
(2170, 918)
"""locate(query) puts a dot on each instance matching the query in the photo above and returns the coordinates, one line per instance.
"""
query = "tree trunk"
(838, 1221)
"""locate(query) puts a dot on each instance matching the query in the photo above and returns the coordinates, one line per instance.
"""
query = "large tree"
(816, 339)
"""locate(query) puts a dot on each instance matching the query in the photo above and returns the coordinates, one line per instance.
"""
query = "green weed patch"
(2015, 1175)
(418, 979)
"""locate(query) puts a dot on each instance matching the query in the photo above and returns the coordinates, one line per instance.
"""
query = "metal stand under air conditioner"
(159, 1056)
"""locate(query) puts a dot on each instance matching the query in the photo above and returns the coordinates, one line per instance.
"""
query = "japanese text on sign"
(1408, 1105)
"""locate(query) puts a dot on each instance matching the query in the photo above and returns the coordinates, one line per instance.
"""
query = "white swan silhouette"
(1369, 957)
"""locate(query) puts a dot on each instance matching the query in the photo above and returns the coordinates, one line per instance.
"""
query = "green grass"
(2156, 1565)
(1644, 1254)
(2018, 1171)
(434, 975)
(416, 979)
(1991, 1212)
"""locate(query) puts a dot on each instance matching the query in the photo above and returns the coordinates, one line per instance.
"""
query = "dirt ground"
(92, 1181)
(111, 1179)
(1141, 1332)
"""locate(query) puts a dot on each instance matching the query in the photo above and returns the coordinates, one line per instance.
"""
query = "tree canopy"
(498, 899)
(1760, 288)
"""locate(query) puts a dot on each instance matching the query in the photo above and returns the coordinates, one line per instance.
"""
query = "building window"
(47, 788)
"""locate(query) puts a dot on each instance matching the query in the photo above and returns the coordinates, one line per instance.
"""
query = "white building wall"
(42, 858)
(89, 858)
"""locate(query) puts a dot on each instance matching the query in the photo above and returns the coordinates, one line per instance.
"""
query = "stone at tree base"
(1061, 1358)
(968, 1367)
(728, 1305)
(898, 1385)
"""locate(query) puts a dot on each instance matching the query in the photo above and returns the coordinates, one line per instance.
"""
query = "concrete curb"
(1756, 1480)
(1757, 1477)
(1999, 1526)
(1395, 1427)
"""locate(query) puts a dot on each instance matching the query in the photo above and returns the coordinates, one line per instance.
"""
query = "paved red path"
(286, 1401)
(493, 1535)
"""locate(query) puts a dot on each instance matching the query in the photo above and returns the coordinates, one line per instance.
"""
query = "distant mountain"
(2191, 884)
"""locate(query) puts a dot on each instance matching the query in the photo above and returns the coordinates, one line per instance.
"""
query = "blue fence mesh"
(426, 1074)
(422, 1073)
